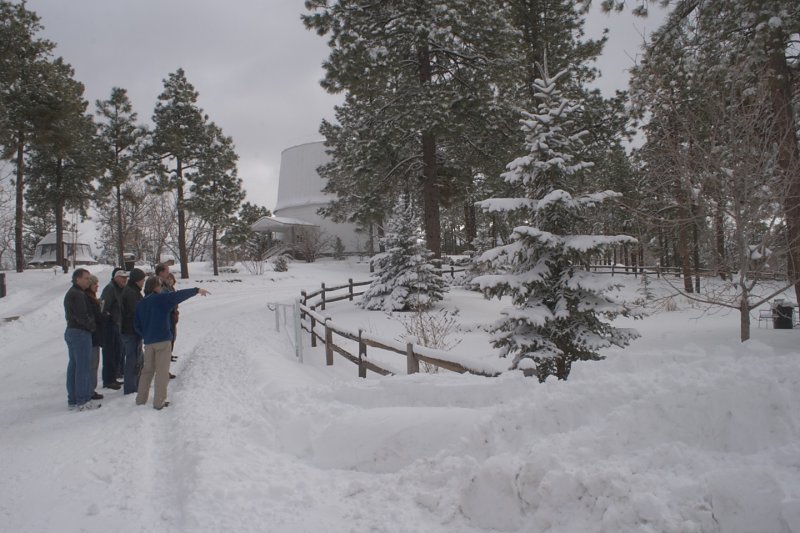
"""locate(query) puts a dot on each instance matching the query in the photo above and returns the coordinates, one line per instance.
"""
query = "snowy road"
(240, 447)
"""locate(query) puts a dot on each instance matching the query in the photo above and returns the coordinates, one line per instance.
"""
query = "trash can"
(784, 317)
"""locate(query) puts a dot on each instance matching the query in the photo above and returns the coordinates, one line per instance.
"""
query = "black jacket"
(111, 296)
(99, 320)
(131, 295)
(77, 311)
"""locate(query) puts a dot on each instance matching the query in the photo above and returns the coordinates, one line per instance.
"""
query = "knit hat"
(137, 275)
(119, 272)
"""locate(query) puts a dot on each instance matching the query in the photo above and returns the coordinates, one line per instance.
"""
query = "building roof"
(299, 183)
(68, 237)
(265, 224)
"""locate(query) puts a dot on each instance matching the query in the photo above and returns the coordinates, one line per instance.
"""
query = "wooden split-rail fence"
(322, 328)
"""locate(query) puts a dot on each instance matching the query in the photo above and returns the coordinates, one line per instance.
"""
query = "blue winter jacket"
(153, 319)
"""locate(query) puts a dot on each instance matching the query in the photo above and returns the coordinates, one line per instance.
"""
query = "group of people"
(136, 333)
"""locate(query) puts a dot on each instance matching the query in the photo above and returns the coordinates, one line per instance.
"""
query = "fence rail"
(322, 328)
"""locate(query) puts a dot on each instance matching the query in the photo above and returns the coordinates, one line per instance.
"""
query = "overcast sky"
(255, 66)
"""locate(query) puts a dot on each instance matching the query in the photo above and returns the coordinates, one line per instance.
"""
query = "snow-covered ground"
(687, 430)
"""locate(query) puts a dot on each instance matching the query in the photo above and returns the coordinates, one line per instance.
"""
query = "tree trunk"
(19, 219)
(719, 231)
(562, 367)
(470, 224)
(61, 258)
(214, 250)
(182, 252)
(789, 153)
(120, 236)
(686, 265)
(684, 219)
(430, 196)
(430, 186)
(744, 315)
(696, 255)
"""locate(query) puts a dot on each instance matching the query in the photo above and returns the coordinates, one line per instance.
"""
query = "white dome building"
(300, 196)
(45, 253)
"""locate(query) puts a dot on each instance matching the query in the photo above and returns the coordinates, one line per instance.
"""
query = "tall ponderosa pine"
(24, 59)
(122, 141)
(217, 191)
(431, 97)
(178, 140)
(65, 155)
(556, 318)
(406, 279)
(412, 71)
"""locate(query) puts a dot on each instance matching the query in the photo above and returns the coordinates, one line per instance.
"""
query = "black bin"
(784, 317)
(129, 265)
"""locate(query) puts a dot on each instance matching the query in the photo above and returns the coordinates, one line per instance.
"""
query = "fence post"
(305, 302)
(313, 336)
(328, 344)
(612, 269)
(350, 289)
(277, 318)
(362, 353)
(323, 297)
(298, 338)
(3, 285)
(412, 363)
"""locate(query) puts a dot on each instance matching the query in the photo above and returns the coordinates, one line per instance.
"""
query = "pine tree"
(217, 190)
(557, 307)
(122, 140)
(178, 138)
(413, 71)
(405, 279)
(65, 157)
(249, 245)
(24, 59)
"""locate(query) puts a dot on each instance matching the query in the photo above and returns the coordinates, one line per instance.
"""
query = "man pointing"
(153, 322)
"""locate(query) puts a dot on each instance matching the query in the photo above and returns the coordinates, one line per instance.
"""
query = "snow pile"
(687, 430)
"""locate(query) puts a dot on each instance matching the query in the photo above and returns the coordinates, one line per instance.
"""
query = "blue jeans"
(132, 347)
(79, 368)
(112, 354)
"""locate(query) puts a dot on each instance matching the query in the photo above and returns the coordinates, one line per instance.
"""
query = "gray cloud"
(256, 67)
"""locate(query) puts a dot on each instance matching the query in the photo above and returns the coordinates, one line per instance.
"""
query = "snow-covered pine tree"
(558, 307)
(405, 279)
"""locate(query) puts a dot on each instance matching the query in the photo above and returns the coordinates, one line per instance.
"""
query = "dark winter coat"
(77, 311)
(111, 296)
(130, 298)
(99, 320)
(154, 314)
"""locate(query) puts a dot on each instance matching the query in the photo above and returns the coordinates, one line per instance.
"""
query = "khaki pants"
(156, 361)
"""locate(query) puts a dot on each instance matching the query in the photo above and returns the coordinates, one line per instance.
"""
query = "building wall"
(300, 193)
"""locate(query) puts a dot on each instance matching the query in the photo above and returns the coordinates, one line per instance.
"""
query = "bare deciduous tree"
(311, 243)
(736, 163)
